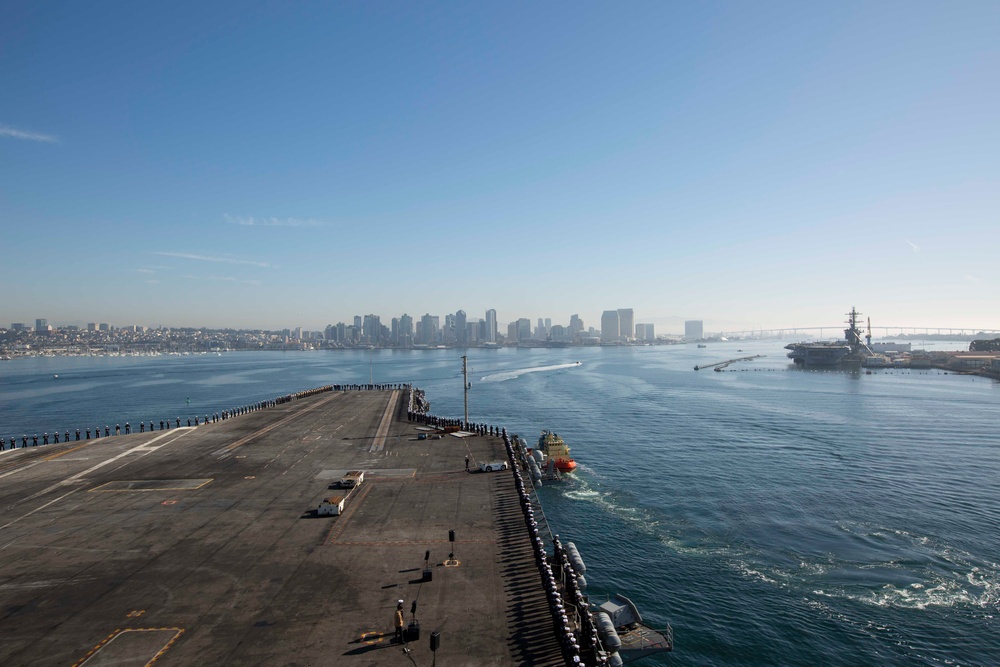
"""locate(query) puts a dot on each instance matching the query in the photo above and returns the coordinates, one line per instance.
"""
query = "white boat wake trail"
(512, 375)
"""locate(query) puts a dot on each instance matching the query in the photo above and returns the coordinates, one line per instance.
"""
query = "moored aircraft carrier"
(203, 545)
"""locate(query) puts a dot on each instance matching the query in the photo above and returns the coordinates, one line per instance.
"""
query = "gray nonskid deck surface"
(199, 546)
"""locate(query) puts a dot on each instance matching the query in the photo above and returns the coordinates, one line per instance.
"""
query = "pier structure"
(204, 545)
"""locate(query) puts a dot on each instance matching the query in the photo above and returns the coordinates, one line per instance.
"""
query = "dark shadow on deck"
(533, 635)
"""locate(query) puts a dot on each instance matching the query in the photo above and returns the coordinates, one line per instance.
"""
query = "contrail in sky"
(221, 260)
(14, 133)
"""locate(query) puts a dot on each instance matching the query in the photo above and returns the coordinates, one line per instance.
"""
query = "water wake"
(513, 375)
(930, 574)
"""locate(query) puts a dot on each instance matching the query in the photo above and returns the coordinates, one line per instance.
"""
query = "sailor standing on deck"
(398, 621)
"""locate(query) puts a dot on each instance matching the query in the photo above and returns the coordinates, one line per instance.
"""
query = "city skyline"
(752, 166)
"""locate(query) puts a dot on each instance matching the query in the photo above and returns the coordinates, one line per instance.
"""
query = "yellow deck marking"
(101, 489)
(355, 501)
(53, 457)
(120, 631)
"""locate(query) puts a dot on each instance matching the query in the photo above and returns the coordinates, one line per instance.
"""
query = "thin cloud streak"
(913, 245)
(222, 279)
(14, 133)
(217, 259)
(249, 221)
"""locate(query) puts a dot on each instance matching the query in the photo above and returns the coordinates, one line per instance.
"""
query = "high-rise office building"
(91, 326)
(371, 329)
(575, 325)
(694, 330)
(405, 330)
(491, 326)
(644, 332)
(523, 328)
(41, 325)
(461, 335)
(448, 331)
(626, 323)
(429, 329)
(610, 326)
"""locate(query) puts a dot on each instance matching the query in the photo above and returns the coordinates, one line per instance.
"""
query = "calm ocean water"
(772, 516)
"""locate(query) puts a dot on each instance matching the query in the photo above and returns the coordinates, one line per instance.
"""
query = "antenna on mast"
(465, 386)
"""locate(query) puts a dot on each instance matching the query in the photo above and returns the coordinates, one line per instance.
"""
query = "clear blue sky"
(281, 164)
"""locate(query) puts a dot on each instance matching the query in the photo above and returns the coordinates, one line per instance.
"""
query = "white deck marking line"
(143, 449)
(16, 470)
(224, 452)
(383, 428)
(37, 509)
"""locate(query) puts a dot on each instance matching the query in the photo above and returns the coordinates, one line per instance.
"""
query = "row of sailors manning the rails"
(562, 605)
(595, 640)
(165, 423)
(580, 647)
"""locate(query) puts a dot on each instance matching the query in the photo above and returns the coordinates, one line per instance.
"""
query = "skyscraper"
(429, 329)
(610, 326)
(644, 332)
(371, 331)
(523, 328)
(41, 325)
(491, 326)
(461, 335)
(448, 332)
(405, 330)
(575, 325)
(694, 330)
(626, 323)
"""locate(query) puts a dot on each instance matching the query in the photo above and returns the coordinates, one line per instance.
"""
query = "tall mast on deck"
(465, 385)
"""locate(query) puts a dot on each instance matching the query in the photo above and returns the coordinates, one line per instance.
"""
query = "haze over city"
(280, 165)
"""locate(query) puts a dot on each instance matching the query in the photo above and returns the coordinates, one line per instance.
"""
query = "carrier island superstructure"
(855, 347)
